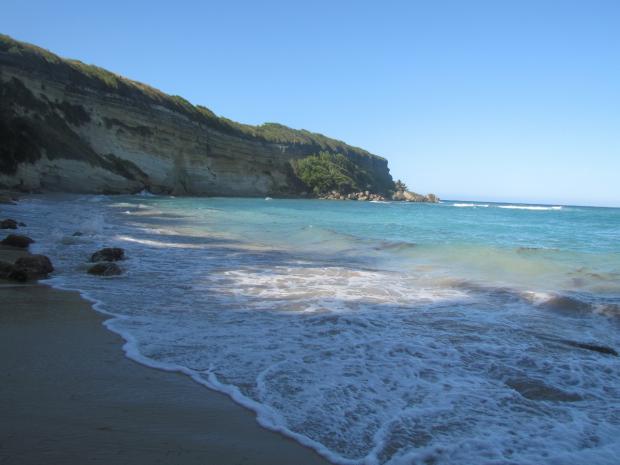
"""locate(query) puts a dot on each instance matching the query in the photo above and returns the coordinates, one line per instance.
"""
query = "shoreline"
(71, 395)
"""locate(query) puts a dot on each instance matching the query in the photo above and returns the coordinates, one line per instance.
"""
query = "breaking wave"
(530, 207)
(391, 335)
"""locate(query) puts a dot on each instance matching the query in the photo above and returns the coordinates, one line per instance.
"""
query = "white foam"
(145, 193)
(464, 205)
(366, 366)
(310, 289)
(159, 243)
(530, 207)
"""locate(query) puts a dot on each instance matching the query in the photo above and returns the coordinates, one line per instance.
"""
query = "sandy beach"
(69, 396)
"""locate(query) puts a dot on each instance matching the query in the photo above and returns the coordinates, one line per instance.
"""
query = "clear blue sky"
(491, 100)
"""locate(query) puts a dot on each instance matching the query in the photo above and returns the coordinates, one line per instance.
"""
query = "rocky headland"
(71, 127)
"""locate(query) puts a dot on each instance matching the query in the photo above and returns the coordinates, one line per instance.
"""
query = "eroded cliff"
(67, 126)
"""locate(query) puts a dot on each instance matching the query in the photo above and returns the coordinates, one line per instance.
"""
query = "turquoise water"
(376, 333)
(489, 243)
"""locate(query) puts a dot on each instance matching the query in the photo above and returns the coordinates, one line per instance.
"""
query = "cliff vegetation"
(327, 172)
(70, 126)
(80, 74)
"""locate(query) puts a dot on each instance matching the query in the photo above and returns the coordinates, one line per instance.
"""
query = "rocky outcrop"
(67, 126)
(361, 196)
(407, 196)
(105, 269)
(109, 254)
(17, 240)
(8, 224)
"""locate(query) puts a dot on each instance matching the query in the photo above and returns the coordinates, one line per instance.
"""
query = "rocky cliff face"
(66, 126)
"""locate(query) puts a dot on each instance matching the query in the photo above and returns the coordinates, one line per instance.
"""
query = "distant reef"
(71, 127)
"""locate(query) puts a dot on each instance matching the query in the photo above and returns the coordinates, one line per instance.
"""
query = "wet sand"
(69, 396)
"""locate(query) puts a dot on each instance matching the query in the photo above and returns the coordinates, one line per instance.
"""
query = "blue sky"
(489, 100)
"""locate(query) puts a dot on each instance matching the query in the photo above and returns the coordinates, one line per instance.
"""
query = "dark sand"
(69, 396)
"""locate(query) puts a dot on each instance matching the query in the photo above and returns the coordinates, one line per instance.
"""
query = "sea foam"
(367, 362)
(464, 205)
(530, 207)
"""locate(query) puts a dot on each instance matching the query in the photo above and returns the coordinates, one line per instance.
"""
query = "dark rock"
(408, 196)
(537, 390)
(8, 271)
(34, 266)
(8, 224)
(109, 254)
(5, 267)
(17, 240)
(105, 269)
(365, 195)
(594, 348)
(21, 224)
(566, 304)
(77, 234)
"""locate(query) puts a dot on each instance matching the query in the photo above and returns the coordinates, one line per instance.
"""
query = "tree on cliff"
(325, 172)
(400, 186)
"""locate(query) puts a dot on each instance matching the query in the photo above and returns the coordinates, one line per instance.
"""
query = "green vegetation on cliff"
(49, 105)
(76, 73)
(327, 172)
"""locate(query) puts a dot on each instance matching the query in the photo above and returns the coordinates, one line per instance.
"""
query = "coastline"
(71, 396)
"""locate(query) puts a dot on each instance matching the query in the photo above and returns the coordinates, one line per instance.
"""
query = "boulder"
(8, 224)
(408, 196)
(17, 240)
(109, 254)
(8, 271)
(413, 197)
(77, 234)
(105, 269)
(34, 266)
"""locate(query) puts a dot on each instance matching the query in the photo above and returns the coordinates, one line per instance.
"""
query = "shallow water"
(377, 333)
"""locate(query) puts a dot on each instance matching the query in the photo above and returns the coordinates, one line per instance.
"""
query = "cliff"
(67, 126)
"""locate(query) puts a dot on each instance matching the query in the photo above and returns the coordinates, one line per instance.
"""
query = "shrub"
(325, 172)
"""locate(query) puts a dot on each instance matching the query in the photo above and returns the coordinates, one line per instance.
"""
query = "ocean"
(373, 332)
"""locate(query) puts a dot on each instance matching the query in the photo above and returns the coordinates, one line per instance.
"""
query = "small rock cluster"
(404, 196)
(407, 196)
(104, 261)
(10, 224)
(362, 196)
(36, 266)
(24, 268)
